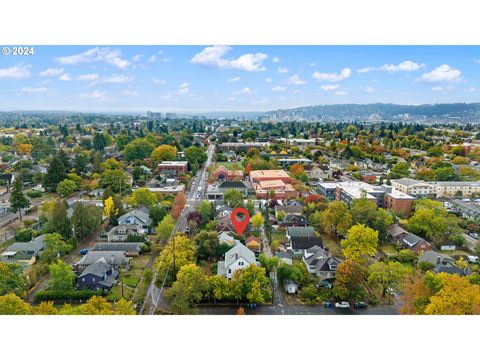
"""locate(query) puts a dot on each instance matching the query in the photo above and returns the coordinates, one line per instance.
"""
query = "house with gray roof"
(442, 263)
(26, 250)
(120, 233)
(130, 248)
(238, 257)
(318, 262)
(114, 258)
(138, 217)
(99, 275)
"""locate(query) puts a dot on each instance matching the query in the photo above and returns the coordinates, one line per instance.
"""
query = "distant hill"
(461, 111)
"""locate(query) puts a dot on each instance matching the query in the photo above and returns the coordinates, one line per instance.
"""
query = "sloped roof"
(237, 251)
(98, 268)
(301, 231)
(139, 214)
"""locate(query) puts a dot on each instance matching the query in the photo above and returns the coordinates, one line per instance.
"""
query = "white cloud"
(130, 93)
(234, 79)
(332, 77)
(106, 55)
(157, 81)
(282, 70)
(365, 69)
(212, 56)
(341, 93)
(137, 58)
(443, 73)
(295, 80)
(30, 90)
(368, 89)
(329, 87)
(87, 77)
(313, 64)
(437, 89)
(279, 88)
(268, 80)
(51, 72)
(403, 66)
(156, 57)
(471, 89)
(275, 59)
(246, 90)
(231, 98)
(15, 72)
(296, 91)
(117, 79)
(65, 77)
(95, 95)
(183, 89)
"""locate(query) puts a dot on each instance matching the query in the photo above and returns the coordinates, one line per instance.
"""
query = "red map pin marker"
(240, 225)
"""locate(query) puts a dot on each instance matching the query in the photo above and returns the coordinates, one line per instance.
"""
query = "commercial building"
(267, 175)
(281, 190)
(180, 167)
(438, 188)
(383, 196)
(244, 145)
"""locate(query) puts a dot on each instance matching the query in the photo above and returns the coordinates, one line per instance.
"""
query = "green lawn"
(140, 262)
(452, 253)
(280, 236)
(333, 244)
(131, 277)
(229, 165)
(389, 249)
(116, 293)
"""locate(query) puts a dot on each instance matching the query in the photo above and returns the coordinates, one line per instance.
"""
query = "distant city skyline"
(234, 78)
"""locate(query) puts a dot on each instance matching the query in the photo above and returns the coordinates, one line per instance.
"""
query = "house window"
(240, 263)
(229, 271)
(93, 279)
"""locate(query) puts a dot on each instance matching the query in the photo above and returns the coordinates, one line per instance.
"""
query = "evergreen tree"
(56, 172)
(59, 222)
(18, 200)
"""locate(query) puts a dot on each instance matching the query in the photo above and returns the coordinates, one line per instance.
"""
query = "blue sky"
(237, 78)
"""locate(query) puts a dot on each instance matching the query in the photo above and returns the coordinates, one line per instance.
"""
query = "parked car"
(328, 304)
(474, 235)
(83, 251)
(342, 305)
(360, 305)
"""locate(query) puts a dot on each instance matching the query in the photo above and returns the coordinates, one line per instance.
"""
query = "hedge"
(47, 295)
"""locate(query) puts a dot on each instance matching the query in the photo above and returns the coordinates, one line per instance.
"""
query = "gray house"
(138, 217)
(130, 248)
(99, 275)
(114, 258)
(26, 250)
(120, 233)
(318, 262)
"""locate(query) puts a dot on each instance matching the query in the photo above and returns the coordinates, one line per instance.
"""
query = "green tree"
(164, 153)
(116, 180)
(348, 284)
(59, 221)
(233, 198)
(18, 200)
(254, 284)
(367, 213)
(62, 277)
(205, 209)
(66, 187)
(56, 172)
(143, 196)
(165, 228)
(11, 304)
(85, 220)
(361, 243)
(195, 154)
(386, 275)
(54, 247)
(257, 220)
(12, 279)
(138, 149)
(207, 243)
(336, 218)
(188, 289)
(400, 170)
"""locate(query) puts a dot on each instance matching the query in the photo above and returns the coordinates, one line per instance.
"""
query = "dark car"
(328, 304)
(360, 305)
(83, 251)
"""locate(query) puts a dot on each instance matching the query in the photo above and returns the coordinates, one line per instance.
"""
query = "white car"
(342, 305)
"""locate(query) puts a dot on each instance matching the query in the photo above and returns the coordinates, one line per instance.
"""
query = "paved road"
(154, 299)
(299, 310)
(470, 241)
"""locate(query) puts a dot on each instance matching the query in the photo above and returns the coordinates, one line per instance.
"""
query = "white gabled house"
(238, 257)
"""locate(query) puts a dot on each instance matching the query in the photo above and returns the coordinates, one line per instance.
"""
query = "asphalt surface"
(154, 299)
(298, 310)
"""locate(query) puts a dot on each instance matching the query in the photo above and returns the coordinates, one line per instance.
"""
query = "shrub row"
(48, 295)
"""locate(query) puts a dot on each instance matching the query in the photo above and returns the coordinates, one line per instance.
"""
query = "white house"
(238, 257)
(137, 217)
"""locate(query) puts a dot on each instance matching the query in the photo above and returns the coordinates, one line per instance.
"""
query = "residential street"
(299, 310)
